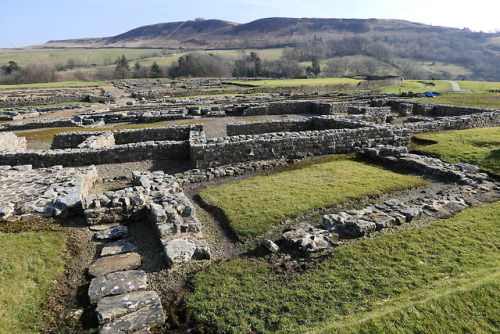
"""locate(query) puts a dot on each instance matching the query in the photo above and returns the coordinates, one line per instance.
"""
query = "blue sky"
(30, 22)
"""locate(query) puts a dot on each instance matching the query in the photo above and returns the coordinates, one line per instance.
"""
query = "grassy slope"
(29, 263)
(395, 283)
(480, 147)
(284, 195)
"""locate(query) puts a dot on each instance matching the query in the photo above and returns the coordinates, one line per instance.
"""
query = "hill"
(266, 32)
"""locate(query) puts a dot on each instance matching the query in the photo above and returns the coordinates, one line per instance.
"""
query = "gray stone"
(270, 245)
(115, 232)
(332, 220)
(182, 250)
(148, 316)
(113, 263)
(118, 247)
(116, 284)
(110, 308)
(412, 213)
(102, 227)
(359, 228)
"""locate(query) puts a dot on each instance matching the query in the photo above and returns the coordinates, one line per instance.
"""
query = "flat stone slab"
(102, 227)
(110, 264)
(117, 283)
(148, 316)
(110, 308)
(114, 232)
(118, 247)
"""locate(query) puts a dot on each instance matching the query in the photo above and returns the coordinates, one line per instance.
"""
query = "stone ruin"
(56, 182)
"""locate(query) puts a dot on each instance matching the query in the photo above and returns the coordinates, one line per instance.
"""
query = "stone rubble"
(159, 197)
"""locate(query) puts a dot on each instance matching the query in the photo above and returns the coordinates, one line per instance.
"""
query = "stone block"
(114, 263)
(110, 308)
(117, 283)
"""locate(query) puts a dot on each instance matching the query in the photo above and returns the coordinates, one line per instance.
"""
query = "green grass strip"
(252, 206)
(29, 264)
(421, 270)
(480, 147)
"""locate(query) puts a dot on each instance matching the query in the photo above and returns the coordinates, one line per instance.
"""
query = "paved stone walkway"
(119, 287)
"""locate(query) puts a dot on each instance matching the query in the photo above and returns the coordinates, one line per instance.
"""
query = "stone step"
(118, 247)
(116, 284)
(147, 317)
(113, 263)
(110, 308)
(114, 232)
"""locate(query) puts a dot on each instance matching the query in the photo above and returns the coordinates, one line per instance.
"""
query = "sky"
(31, 22)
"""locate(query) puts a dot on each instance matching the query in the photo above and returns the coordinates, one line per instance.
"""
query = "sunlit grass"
(252, 206)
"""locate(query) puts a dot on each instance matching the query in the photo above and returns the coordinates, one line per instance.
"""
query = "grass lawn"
(469, 99)
(417, 86)
(443, 278)
(299, 82)
(479, 86)
(57, 84)
(252, 206)
(479, 147)
(29, 264)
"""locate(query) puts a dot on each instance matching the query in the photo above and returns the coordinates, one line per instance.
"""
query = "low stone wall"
(479, 120)
(159, 197)
(11, 142)
(42, 124)
(306, 124)
(431, 109)
(84, 157)
(171, 133)
(227, 150)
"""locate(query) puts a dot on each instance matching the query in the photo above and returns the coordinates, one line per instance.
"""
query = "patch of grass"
(252, 206)
(299, 82)
(57, 84)
(417, 86)
(385, 284)
(468, 99)
(29, 264)
(479, 147)
(479, 86)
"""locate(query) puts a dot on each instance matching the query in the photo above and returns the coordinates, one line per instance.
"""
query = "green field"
(479, 147)
(29, 264)
(479, 86)
(468, 99)
(299, 82)
(417, 86)
(443, 278)
(285, 195)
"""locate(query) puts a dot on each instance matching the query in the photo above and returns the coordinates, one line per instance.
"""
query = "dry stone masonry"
(46, 192)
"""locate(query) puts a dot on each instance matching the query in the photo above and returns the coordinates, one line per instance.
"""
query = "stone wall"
(296, 107)
(84, 157)
(294, 145)
(42, 124)
(11, 142)
(127, 136)
(479, 120)
(252, 128)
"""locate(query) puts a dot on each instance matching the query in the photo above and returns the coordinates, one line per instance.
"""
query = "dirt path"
(455, 86)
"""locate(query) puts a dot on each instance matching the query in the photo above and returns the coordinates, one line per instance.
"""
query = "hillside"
(266, 32)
